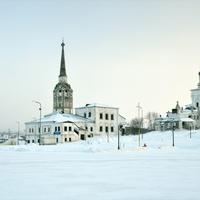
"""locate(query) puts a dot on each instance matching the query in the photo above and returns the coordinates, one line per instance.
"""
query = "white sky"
(117, 53)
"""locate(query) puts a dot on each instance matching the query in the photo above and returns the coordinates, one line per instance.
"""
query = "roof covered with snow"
(89, 105)
(61, 117)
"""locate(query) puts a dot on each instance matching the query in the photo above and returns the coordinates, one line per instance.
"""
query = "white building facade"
(106, 119)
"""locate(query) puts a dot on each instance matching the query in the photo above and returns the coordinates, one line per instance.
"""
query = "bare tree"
(135, 123)
(151, 116)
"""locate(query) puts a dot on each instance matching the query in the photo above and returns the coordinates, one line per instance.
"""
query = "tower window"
(197, 104)
(101, 115)
(60, 91)
(91, 129)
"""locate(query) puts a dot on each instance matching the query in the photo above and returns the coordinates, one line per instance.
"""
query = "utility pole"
(142, 122)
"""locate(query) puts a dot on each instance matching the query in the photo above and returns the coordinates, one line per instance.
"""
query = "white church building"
(62, 125)
(188, 117)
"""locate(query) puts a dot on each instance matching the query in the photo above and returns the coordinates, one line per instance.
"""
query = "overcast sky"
(117, 53)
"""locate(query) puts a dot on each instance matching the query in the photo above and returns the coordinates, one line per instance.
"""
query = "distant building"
(63, 126)
(182, 117)
(178, 118)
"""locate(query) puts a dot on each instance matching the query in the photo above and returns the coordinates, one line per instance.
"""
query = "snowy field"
(96, 170)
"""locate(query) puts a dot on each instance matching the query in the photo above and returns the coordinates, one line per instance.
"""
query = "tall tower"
(62, 93)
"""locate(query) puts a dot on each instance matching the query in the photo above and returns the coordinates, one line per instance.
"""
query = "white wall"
(104, 123)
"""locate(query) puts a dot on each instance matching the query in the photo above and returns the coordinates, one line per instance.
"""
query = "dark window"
(58, 128)
(106, 129)
(57, 140)
(112, 117)
(89, 115)
(197, 104)
(65, 139)
(86, 128)
(70, 128)
(44, 129)
(85, 115)
(65, 128)
(101, 128)
(39, 130)
(112, 129)
(28, 141)
(32, 141)
(101, 115)
(106, 116)
(32, 130)
(91, 129)
(29, 130)
(70, 139)
(48, 129)
(60, 91)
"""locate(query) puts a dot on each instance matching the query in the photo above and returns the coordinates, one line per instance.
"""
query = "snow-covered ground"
(96, 170)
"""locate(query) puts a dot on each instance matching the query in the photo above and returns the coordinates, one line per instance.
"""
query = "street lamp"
(139, 107)
(40, 109)
(142, 122)
(173, 128)
(18, 124)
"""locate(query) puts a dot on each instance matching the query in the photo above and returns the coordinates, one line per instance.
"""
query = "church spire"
(63, 75)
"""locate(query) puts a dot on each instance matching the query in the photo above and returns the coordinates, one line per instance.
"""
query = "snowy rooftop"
(59, 117)
(89, 105)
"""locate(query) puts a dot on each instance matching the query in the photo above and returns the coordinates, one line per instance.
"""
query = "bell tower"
(62, 93)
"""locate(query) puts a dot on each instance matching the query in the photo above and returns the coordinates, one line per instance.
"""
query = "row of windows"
(106, 129)
(47, 130)
(101, 116)
(65, 128)
(91, 128)
(106, 116)
(89, 114)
